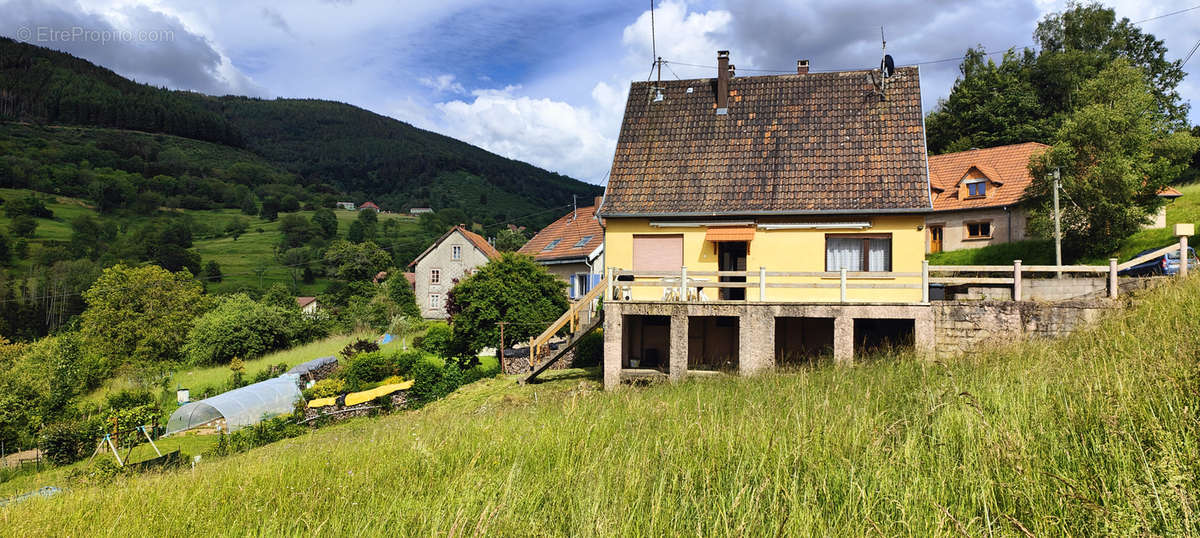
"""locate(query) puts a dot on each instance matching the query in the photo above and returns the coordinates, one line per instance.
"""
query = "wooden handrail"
(1147, 257)
(570, 316)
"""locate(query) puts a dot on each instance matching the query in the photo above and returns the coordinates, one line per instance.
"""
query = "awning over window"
(718, 234)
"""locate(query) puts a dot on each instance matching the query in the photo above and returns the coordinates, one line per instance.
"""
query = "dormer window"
(976, 188)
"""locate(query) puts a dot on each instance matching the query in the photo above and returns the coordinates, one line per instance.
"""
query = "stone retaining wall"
(961, 326)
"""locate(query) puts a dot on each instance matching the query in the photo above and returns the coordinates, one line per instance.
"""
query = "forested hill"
(362, 154)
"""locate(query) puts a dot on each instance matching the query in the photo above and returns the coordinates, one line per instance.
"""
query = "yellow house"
(750, 221)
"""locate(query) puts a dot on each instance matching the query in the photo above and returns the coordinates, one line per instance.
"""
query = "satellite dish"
(887, 66)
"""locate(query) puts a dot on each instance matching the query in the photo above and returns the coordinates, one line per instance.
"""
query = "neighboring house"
(308, 305)
(454, 255)
(348, 206)
(572, 248)
(977, 197)
(420, 210)
(368, 205)
(794, 178)
(412, 279)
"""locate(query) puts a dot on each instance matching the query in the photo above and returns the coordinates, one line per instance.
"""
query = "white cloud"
(548, 133)
(442, 84)
(679, 34)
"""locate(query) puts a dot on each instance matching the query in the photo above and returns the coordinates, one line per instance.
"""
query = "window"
(583, 241)
(435, 276)
(456, 252)
(979, 230)
(657, 252)
(551, 245)
(976, 188)
(435, 301)
(858, 252)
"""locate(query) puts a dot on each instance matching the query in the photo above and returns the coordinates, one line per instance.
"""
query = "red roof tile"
(789, 144)
(568, 231)
(1006, 166)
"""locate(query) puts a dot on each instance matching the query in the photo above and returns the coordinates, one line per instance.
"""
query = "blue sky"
(541, 81)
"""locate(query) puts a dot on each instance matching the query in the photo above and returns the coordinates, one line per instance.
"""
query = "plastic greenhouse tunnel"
(242, 407)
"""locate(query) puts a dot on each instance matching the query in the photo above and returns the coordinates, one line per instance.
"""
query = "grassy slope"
(1095, 434)
(1041, 252)
(238, 259)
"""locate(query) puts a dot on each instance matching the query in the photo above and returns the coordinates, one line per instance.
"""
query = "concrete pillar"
(843, 339)
(924, 335)
(679, 347)
(756, 341)
(613, 350)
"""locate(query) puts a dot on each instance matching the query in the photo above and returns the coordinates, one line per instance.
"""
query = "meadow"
(1095, 434)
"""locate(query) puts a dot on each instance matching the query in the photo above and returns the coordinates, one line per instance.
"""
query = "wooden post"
(683, 283)
(1016, 280)
(532, 353)
(843, 284)
(1113, 287)
(762, 283)
(924, 281)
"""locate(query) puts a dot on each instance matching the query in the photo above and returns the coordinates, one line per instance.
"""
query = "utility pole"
(1057, 226)
(500, 354)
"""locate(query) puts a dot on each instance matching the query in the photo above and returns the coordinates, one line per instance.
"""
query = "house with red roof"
(572, 248)
(977, 197)
(455, 254)
(368, 205)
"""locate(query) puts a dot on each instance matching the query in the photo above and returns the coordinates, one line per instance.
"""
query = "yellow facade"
(783, 250)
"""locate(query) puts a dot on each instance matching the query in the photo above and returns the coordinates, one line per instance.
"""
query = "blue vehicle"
(1167, 264)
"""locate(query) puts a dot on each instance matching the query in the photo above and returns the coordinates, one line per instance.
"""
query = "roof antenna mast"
(883, 71)
(658, 61)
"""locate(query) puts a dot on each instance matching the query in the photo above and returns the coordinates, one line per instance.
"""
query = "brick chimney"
(596, 202)
(722, 81)
(801, 67)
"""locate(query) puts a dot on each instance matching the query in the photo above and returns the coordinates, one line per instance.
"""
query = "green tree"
(23, 226)
(510, 240)
(5, 250)
(400, 292)
(350, 262)
(326, 221)
(289, 204)
(296, 231)
(249, 206)
(279, 296)
(140, 315)
(1114, 154)
(236, 227)
(270, 209)
(237, 327)
(212, 271)
(513, 289)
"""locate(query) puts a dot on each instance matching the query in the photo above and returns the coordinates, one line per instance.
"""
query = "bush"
(358, 346)
(405, 361)
(330, 386)
(439, 340)
(590, 350)
(364, 369)
(263, 433)
(427, 378)
(238, 327)
(68, 442)
(126, 399)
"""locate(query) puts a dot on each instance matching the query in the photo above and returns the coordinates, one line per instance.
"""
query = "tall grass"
(1096, 434)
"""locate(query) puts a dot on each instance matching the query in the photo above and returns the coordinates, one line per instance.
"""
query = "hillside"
(358, 153)
(1092, 435)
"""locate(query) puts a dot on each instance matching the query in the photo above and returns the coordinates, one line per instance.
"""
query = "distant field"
(1093, 435)
(239, 259)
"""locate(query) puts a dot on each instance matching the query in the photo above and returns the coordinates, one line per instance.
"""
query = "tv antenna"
(887, 66)
(658, 61)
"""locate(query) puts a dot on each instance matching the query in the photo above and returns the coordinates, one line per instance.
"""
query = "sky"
(542, 81)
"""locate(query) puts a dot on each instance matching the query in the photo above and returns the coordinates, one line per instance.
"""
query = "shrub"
(264, 433)
(67, 442)
(364, 369)
(125, 399)
(405, 361)
(590, 350)
(330, 386)
(426, 380)
(358, 346)
(238, 327)
(439, 340)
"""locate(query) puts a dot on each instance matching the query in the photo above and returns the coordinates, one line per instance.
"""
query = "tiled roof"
(305, 301)
(790, 144)
(1006, 165)
(568, 231)
(475, 239)
(1169, 192)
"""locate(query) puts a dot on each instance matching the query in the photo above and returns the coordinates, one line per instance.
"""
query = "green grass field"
(1096, 434)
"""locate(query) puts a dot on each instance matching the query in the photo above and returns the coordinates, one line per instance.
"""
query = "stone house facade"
(453, 256)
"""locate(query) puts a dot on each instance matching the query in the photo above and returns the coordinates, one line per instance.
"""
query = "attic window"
(583, 241)
(551, 245)
(976, 188)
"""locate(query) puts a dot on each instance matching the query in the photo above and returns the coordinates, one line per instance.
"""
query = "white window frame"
(435, 277)
(435, 300)
(456, 252)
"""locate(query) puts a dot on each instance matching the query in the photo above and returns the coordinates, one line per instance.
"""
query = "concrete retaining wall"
(961, 326)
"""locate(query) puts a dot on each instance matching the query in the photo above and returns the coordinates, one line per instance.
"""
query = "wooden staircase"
(581, 319)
